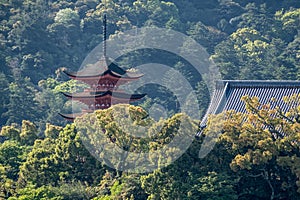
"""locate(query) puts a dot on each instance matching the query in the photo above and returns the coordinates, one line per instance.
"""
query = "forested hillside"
(42, 155)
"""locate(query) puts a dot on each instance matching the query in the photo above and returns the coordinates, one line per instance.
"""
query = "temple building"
(228, 94)
(103, 79)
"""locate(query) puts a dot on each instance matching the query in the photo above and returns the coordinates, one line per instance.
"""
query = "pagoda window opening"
(111, 85)
(107, 103)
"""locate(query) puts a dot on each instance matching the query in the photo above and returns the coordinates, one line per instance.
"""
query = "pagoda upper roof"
(101, 68)
(228, 94)
(119, 95)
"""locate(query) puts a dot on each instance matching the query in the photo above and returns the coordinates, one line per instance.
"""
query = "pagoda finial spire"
(104, 30)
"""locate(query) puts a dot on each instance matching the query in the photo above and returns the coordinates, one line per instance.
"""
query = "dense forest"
(43, 156)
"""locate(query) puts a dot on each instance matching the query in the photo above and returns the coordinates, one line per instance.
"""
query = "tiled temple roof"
(228, 94)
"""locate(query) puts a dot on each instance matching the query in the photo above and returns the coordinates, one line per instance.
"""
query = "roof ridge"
(259, 83)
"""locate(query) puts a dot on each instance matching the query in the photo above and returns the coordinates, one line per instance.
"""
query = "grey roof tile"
(228, 94)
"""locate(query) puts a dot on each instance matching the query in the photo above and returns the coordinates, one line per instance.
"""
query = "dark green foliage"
(22, 104)
(60, 159)
(4, 91)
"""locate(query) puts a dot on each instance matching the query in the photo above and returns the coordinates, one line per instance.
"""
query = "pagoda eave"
(105, 74)
(100, 95)
(70, 117)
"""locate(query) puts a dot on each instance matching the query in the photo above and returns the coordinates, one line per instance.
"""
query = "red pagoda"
(103, 78)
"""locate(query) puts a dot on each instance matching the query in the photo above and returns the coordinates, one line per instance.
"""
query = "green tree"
(192, 178)
(11, 157)
(257, 17)
(62, 158)
(40, 165)
(158, 13)
(248, 55)
(290, 20)
(22, 104)
(4, 92)
(29, 133)
(207, 36)
(12, 132)
(260, 141)
(128, 186)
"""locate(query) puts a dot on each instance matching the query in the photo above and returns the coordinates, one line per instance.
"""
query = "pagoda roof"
(119, 95)
(228, 94)
(101, 68)
(71, 116)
